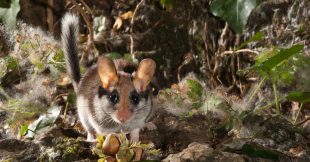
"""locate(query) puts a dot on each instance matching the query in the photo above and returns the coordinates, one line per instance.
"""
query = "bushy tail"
(70, 29)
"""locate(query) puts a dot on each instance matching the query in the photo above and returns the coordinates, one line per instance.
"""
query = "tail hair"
(70, 29)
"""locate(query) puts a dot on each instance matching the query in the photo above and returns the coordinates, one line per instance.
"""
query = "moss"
(259, 152)
(70, 149)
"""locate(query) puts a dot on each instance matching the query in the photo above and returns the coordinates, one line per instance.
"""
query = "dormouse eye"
(135, 98)
(113, 97)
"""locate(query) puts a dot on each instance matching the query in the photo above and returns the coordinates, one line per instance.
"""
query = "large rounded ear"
(144, 74)
(107, 72)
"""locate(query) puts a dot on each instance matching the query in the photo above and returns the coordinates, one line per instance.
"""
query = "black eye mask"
(112, 96)
(102, 92)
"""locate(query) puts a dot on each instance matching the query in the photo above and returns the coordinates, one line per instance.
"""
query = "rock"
(16, 150)
(202, 152)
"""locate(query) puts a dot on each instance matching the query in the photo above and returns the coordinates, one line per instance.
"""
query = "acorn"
(110, 145)
(110, 159)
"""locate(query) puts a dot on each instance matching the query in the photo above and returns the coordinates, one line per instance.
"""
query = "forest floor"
(206, 109)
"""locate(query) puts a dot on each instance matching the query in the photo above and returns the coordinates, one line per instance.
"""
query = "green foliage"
(277, 65)
(58, 61)
(278, 56)
(301, 97)
(114, 55)
(195, 88)
(235, 12)
(8, 15)
(167, 4)
(23, 130)
(256, 37)
(12, 63)
(72, 98)
(195, 93)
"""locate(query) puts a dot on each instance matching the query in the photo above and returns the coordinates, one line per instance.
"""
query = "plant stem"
(266, 106)
(257, 88)
(274, 85)
(298, 113)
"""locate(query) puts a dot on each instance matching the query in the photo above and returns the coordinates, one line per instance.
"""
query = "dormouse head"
(125, 96)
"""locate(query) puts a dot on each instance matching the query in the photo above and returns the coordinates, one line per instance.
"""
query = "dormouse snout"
(123, 114)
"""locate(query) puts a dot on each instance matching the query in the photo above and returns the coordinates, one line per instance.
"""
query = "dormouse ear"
(107, 72)
(144, 74)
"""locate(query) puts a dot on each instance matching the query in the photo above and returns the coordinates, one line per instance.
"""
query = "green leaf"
(8, 15)
(72, 98)
(195, 93)
(128, 56)
(256, 37)
(167, 3)
(59, 56)
(23, 130)
(235, 12)
(43, 121)
(114, 55)
(275, 60)
(299, 96)
(39, 65)
(11, 62)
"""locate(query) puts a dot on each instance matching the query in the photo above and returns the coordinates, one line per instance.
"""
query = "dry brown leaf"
(119, 20)
(118, 23)
(127, 15)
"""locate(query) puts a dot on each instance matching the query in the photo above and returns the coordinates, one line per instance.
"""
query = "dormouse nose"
(123, 114)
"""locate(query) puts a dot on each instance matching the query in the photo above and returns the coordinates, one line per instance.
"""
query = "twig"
(298, 113)
(240, 51)
(220, 48)
(302, 122)
(206, 46)
(145, 52)
(87, 8)
(60, 95)
(132, 24)
(257, 88)
(219, 52)
(50, 16)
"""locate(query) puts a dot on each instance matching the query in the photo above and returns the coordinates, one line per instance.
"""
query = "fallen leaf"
(118, 23)
(127, 15)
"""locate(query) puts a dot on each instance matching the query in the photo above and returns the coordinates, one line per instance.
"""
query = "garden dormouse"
(108, 98)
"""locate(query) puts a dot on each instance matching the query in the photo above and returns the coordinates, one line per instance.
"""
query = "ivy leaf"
(235, 12)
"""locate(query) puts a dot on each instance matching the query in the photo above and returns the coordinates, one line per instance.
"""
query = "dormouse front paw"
(150, 126)
(90, 137)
